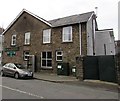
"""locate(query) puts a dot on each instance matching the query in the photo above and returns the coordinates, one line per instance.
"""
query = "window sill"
(13, 45)
(46, 43)
(25, 59)
(67, 42)
(59, 60)
(46, 68)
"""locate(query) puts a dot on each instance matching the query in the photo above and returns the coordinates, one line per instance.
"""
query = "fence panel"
(90, 69)
(107, 69)
(100, 68)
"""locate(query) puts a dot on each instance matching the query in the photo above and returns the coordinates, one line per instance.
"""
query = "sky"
(107, 11)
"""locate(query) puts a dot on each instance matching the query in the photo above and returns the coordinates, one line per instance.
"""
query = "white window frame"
(26, 55)
(13, 41)
(59, 55)
(46, 59)
(67, 34)
(46, 36)
(27, 38)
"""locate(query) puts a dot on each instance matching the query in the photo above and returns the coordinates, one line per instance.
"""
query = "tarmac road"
(38, 89)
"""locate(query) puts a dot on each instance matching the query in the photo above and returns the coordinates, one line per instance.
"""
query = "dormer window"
(13, 41)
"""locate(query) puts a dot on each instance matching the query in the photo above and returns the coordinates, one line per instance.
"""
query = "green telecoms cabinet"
(63, 69)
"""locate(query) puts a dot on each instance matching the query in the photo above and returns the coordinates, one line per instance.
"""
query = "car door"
(6, 69)
(11, 69)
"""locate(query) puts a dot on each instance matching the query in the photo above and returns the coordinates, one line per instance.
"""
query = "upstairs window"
(13, 41)
(67, 34)
(47, 36)
(27, 38)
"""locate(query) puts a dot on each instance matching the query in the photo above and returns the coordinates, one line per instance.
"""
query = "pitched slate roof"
(71, 19)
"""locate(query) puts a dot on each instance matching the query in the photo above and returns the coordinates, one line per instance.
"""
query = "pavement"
(72, 80)
(55, 78)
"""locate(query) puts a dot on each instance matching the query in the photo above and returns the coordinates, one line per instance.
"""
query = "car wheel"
(16, 75)
(2, 74)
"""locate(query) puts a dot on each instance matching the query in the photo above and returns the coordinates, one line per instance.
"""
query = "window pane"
(14, 41)
(69, 37)
(14, 37)
(43, 62)
(49, 63)
(59, 53)
(27, 41)
(65, 37)
(44, 37)
(49, 55)
(44, 55)
(59, 58)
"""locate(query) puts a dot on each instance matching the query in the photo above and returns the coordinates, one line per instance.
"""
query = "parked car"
(16, 70)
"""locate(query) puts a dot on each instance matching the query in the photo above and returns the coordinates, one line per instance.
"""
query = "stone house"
(51, 42)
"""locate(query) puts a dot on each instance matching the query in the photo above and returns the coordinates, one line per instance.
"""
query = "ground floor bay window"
(46, 60)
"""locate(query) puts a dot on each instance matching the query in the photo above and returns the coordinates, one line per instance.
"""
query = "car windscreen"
(20, 66)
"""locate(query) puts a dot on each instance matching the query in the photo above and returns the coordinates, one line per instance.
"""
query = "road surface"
(37, 89)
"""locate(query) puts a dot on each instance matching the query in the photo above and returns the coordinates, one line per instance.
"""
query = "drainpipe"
(80, 38)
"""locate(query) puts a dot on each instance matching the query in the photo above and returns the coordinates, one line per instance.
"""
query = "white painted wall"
(90, 36)
(106, 38)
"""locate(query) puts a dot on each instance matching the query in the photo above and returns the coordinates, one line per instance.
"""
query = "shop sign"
(12, 49)
(11, 53)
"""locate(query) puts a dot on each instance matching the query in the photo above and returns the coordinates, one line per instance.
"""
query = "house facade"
(51, 42)
(104, 42)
